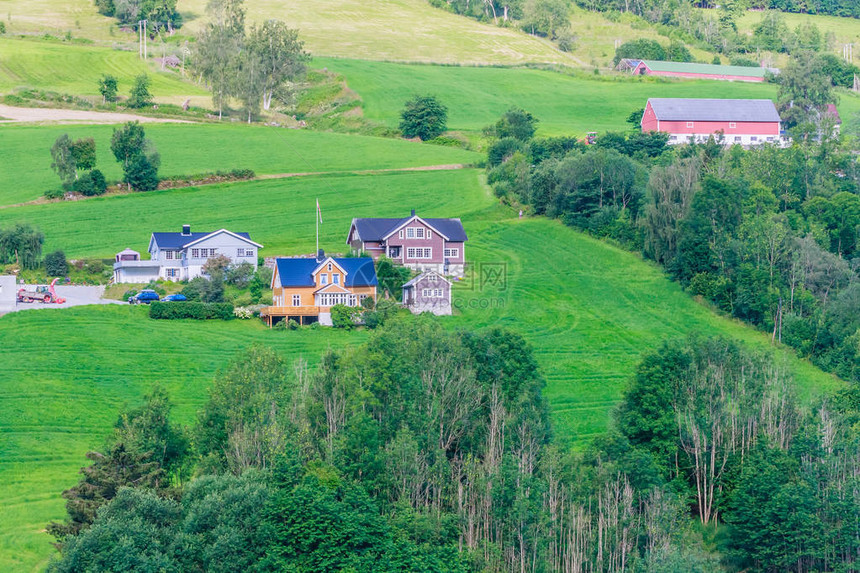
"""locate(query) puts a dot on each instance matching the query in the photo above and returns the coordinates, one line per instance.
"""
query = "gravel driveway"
(40, 114)
(75, 296)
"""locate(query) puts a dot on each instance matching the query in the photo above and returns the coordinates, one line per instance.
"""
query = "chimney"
(186, 230)
(413, 212)
(320, 256)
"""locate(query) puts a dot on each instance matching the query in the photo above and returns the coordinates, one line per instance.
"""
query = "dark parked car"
(145, 296)
(174, 298)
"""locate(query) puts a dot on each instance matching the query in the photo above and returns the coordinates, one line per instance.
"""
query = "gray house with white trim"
(181, 256)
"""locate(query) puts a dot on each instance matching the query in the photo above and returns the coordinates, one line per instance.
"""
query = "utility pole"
(141, 33)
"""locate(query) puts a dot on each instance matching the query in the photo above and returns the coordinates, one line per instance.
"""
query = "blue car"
(174, 298)
(145, 296)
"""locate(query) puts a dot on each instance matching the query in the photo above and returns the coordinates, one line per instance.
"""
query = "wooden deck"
(270, 313)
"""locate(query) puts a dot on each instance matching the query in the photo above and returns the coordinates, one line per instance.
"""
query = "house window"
(673, 137)
(171, 273)
(418, 253)
(429, 234)
(732, 125)
(168, 255)
(452, 253)
(335, 278)
(753, 138)
(400, 234)
(410, 232)
(770, 139)
(689, 124)
(244, 252)
(297, 300)
(419, 233)
(738, 139)
(195, 253)
(323, 279)
(329, 267)
(437, 293)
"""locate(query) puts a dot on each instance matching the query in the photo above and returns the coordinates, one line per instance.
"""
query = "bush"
(292, 324)
(90, 184)
(55, 194)
(640, 50)
(56, 265)
(424, 117)
(129, 293)
(195, 310)
(503, 149)
(343, 316)
(239, 275)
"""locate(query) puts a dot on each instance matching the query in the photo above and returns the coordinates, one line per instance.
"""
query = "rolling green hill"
(565, 104)
(588, 308)
(76, 69)
(190, 149)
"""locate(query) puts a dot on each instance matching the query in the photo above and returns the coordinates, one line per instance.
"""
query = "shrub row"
(196, 310)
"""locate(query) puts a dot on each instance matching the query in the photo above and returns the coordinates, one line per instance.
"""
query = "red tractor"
(45, 294)
(590, 138)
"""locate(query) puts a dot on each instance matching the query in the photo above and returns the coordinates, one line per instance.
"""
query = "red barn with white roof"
(741, 121)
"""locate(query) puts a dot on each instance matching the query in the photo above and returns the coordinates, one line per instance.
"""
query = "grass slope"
(588, 308)
(565, 104)
(76, 69)
(843, 30)
(26, 171)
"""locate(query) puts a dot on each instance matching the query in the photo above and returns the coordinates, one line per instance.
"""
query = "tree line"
(767, 234)
(430, 450)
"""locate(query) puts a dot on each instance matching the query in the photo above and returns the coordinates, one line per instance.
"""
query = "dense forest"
(767, 234)
(431, 450)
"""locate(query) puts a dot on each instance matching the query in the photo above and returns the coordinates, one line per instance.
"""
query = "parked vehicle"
(174, 298)
(145, 296)
(40, 293)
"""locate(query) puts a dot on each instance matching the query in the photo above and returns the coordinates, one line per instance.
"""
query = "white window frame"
(429, 234)
(171, 272)
(335, 278)
(297, 300)
(323, 279)
(753, 138)
(452, 253)
(419, 232)
(738, 139)
(732, 125)
(168, 255)
(690, 124)
(195, 253)
(410, 232)
(400, 234)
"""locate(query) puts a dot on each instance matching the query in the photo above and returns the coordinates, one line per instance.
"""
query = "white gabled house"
(181, 256)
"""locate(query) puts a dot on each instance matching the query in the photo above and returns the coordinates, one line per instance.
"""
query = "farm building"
(428, 292)
(740, 121)
(181, 256)
(305, 289)
(700, 71)
(414, 242)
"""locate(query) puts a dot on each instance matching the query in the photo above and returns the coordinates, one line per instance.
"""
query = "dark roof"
(374, 229)
(178, 240)
(679, 109)
(298, 272)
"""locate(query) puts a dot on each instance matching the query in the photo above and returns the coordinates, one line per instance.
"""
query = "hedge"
(196, 310)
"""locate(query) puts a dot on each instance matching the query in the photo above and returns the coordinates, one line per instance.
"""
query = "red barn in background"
(740, 121)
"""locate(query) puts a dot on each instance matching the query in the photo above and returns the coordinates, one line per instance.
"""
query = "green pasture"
(57, 17)
(76, 69)
(188, 149)
(564, 104)
(589, 310)
(843, 30)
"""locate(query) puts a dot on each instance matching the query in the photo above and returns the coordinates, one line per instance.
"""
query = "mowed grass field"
(76, 69)
(564, 104)
(186, 149)
(588, 309)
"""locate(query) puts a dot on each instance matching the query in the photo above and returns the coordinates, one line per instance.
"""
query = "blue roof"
(298, 272)
(178, 240)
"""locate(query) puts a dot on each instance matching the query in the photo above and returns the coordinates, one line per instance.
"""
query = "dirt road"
(44, 115)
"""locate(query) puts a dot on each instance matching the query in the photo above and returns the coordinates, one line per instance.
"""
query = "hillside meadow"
(63, 67)
(589, 310)
(565, 104)
(188, 149)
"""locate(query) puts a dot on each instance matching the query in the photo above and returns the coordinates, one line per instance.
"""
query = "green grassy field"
(76, 69)
(189, 149)
(844, 30)
(588, 308)
(565, 104)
